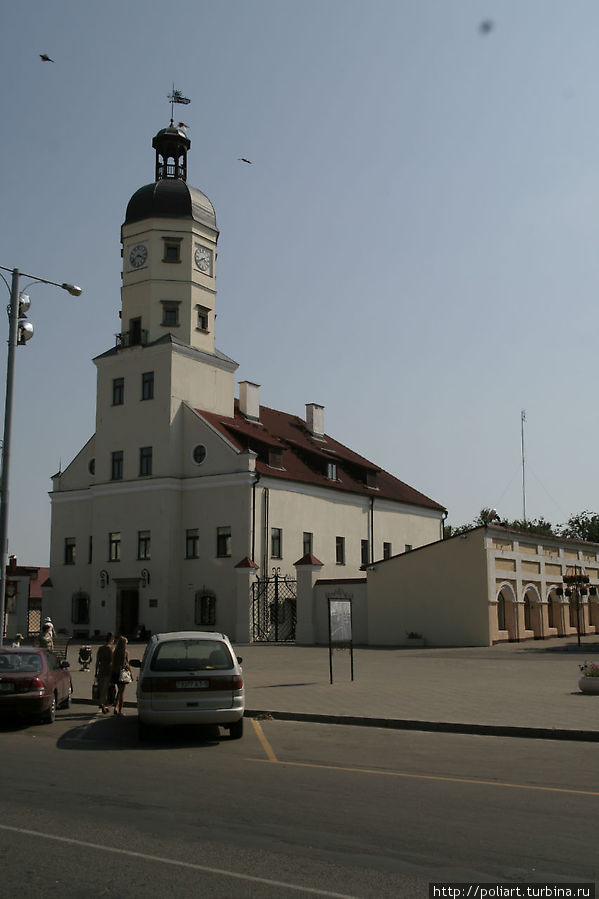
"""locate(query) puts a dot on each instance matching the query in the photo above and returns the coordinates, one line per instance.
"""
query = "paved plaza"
(528, 689)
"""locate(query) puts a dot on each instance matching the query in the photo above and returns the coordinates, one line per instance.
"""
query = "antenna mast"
(522, 420)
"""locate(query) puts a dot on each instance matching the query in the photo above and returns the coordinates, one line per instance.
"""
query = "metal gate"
(274, 608)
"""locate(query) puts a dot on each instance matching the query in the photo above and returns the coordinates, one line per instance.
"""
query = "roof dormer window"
(275, 458)
(332, 471)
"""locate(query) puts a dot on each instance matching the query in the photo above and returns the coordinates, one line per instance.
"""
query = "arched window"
(205, 608)
(527, 625)
(501, 612)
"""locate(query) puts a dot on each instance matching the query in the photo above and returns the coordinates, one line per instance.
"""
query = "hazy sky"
(414, 246)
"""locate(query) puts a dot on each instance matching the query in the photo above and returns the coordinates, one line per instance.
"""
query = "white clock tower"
(169, 251)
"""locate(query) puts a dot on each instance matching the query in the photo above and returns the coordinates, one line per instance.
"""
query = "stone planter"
(589, 685)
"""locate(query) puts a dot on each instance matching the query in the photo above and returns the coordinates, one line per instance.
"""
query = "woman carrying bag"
(121, 673)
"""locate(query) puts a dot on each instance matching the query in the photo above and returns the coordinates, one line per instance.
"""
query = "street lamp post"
(576, 584)
(16, 311)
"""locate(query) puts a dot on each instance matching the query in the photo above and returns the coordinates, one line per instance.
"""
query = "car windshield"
(191, 655)
(20, 661)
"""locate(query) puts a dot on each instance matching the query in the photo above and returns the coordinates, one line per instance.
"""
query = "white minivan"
(190, 677)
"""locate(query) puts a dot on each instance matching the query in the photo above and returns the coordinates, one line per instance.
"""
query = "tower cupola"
(171, 145)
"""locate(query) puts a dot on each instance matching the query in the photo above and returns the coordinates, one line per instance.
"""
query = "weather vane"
(176, 97)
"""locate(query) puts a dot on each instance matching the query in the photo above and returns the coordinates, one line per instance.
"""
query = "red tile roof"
(304, 458)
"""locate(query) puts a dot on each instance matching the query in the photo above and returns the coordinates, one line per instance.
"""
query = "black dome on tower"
(170, 196)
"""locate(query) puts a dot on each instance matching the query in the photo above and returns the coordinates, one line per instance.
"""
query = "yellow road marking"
(460, 780)
(265, 744)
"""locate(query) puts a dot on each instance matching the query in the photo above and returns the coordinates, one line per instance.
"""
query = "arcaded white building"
(187, 499)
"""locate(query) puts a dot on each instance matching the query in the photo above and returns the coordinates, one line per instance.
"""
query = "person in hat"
(48, 621)
(46, 641)
(17, 641)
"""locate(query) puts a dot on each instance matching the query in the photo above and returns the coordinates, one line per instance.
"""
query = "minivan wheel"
(236, 730)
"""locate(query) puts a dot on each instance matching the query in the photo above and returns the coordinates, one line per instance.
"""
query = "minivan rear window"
(191, 655)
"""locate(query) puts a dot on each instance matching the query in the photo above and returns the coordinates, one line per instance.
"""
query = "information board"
(340, 631)
(340, 623)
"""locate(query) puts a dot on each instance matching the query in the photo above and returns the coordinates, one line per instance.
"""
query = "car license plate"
(7, 687)
(192, 684)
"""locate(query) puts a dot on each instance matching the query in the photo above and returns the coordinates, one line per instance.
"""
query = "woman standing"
(121, 673)
(104, 672)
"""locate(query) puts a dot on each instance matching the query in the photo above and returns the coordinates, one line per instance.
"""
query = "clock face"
(138, 255)
(203, 259)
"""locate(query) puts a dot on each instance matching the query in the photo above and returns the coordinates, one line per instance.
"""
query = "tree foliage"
(583, 526)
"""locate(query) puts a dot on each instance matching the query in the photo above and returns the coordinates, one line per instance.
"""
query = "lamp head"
(72, 289)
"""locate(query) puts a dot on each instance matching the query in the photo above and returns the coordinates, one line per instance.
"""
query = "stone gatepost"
(246, 571)
(307, 571)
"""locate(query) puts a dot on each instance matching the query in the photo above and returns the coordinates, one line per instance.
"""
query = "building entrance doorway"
(127, 611)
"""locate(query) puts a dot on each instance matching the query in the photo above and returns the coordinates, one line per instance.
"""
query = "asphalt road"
(291, 809)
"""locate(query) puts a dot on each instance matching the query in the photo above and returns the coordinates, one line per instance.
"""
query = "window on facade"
(408, 548)
(116, 469)
(90, 550)
(80, 608)
(550, 612)
(192, 543)
(205, 609)
(147, 385)
(70, 552)
(387, 552)
(364, 553)
(118, 391)
(172, 249)
(114, 546)
(170, 313)
(145, 461)
(143, 544)
(199, 453)
(340, 550)
(276, 543)
(203, 313)
(332, 471)
(308, 543)
(223, 542)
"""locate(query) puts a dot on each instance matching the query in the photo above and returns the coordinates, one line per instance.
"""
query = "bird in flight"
(45, 58)
(486, 26)
(243, 159)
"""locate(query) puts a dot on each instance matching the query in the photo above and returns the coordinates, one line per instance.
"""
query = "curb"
(496, 730)
(448, 727)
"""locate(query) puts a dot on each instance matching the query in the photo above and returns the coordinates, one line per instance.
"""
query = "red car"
(33, 683)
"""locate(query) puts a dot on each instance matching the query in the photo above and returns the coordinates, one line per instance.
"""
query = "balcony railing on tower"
(136, 337)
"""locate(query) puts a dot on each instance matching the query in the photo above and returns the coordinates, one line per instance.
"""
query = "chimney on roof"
(249, 400)
(315, 419)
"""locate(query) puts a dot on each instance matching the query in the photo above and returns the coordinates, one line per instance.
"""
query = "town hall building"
(189, 502)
